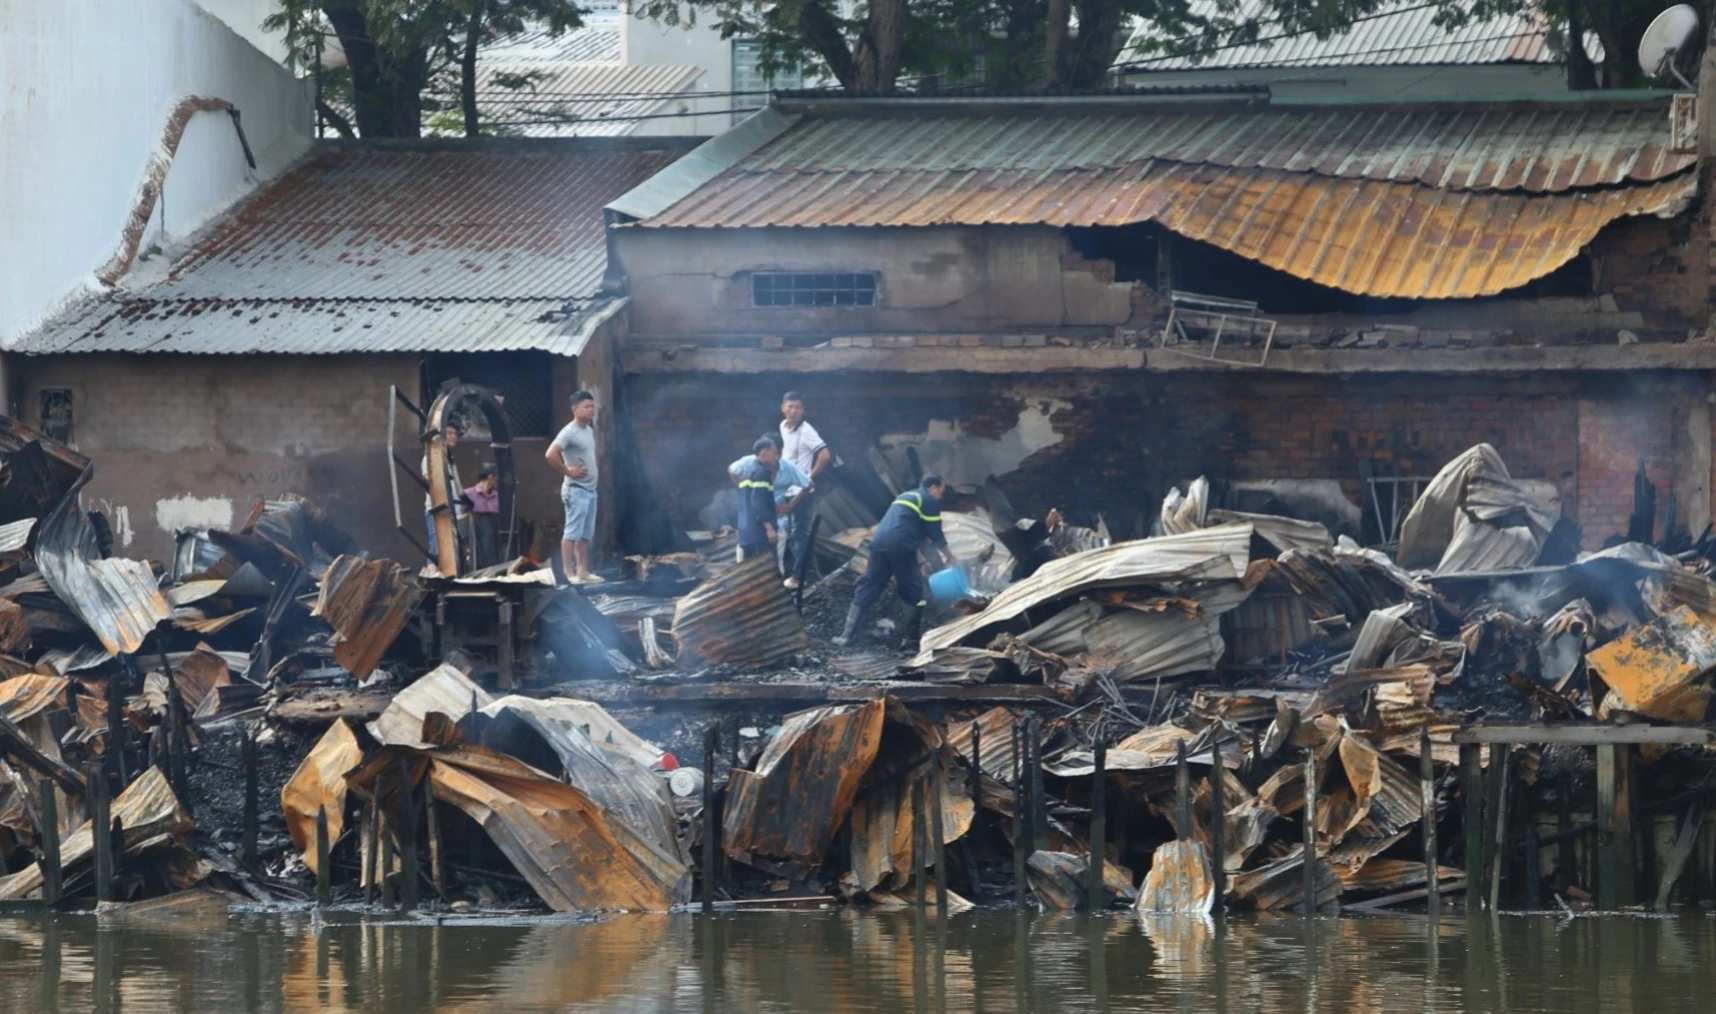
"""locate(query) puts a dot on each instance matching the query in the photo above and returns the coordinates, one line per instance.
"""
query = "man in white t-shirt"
(803, 446)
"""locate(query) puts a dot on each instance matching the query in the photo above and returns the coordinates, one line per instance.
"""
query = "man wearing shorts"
(572, 453)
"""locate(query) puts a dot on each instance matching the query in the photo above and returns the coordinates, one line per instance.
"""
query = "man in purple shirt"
(485, 515)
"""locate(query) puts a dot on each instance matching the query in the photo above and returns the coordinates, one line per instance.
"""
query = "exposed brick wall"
(1126, 437)
(1651, 265)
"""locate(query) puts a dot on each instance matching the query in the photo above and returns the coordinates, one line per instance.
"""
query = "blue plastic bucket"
(949, 585)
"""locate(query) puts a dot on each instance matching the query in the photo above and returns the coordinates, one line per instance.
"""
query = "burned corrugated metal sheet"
(1181, 879)
(1408, 34)
(1210, 554)
(118, 599)
(1659, 668)
(787, 809)
(319, 783)
(1423, 203)
(443, 690)
(743, 616)
(883, 822)
(29, 694)
(1473, 518)
(150, 812)
(368, 603)
(576, 855)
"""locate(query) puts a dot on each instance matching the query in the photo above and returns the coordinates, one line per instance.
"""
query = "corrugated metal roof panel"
(579, 99)
(1538, 148)
(596, 41)
(1380, 239)
(389, 224)
(1407, 35)
(312, 327)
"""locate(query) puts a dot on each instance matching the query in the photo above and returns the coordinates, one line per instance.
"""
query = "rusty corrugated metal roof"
(1420, 202)
(437, 246)
(743, 616)
(1407, 34)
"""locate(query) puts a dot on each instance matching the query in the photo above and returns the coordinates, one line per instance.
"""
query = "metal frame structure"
(450, 543)
(1216, 312)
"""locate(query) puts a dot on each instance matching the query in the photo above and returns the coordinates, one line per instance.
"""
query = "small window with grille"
(796, 288)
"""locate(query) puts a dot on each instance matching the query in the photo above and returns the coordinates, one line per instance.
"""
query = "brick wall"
(1651, 265)
(1126, 438)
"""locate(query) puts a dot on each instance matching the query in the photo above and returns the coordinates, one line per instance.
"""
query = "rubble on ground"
(427, 736)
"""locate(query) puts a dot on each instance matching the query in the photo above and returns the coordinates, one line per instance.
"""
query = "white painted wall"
(245, 17)
(644, 42)
(87, 88)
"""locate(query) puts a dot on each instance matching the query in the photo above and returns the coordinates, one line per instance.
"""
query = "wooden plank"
(620, 692)
(1584, 735)
(1446, 887)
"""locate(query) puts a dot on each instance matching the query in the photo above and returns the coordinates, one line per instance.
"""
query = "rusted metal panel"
(743, 616)
(118, 599)
(444, 690)
(30, 694)
(368, 603)
(883, 828)
(1657, 669)
(151, 813)
(1180, 880)
(788, 808)
(320, 783)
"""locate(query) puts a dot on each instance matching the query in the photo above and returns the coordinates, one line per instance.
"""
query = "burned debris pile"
(1242, 710)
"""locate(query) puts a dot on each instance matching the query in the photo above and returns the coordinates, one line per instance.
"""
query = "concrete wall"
(245, 17)
(1113, 443)
(697, 282)
(88, 86)
(180, 440)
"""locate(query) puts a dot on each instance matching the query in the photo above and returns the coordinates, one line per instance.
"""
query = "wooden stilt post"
(1533, 865)
(97, 805)
(1218, 825)
(1096, 898)
(920, 853)
(407, 840)
(1565, 857)
(1021, 822)
(248, 833)
(1182, 793)
(1501, 757)
(324, 865)
(50, 861)
(116, 725)
(938, 851)
(1427, 800)
(371, 849)
(1039, 799)
(711, 820)
(1309, 863)
(432, 824)
(1472, 789)
(970, 844)
(1615, 872)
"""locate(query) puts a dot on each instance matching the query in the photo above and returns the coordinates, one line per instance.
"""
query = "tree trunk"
(468, 71)
(877, 54)
(822, 31)
(1055, 42)
(1581, 72)
(1015, 69)
(387, 87)
(1088, 59)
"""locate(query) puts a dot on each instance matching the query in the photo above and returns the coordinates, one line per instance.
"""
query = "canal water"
(844, 961)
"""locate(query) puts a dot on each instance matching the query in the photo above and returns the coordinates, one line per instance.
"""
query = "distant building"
(1398, 53)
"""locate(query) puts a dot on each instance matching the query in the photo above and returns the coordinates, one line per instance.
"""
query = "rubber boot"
(853, 614)
(914, 628)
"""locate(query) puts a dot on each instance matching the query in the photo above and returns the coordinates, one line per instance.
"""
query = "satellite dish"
(1663, 41)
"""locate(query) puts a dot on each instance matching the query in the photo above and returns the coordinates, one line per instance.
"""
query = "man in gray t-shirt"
(572, 453)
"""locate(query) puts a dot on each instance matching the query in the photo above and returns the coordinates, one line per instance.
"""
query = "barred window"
(845, 288)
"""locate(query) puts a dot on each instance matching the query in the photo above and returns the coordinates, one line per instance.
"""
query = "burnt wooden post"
(1565, 858)
(1182, 792)
(437, 866)
(1308, 865)
(1020, 829)
(1501, 758)
(116, 848)
(116, 726)
(1218, 826)
(1472, 788)
(919, 837)
(1096, 899)
(1427, 800)
(1533, 865)
(50, 861)
(407, 840)
(1039, 798)
(938, 852)
(95, 800)
(976, 808)
(324, 868)
(1615, 872)
(385, 830)
(711, 821)
(248, 760)
(371, 833)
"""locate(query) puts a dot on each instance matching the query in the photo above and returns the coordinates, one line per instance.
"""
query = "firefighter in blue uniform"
(757, 500)
(912, 519)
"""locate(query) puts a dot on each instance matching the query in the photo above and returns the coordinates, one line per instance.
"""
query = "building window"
(750, 85)
(845, 288)
(56, 405)
(523, 381)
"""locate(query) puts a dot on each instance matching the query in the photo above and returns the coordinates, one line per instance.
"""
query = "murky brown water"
(842, 961)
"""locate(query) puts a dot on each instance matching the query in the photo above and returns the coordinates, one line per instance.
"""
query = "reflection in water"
(844, 961)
